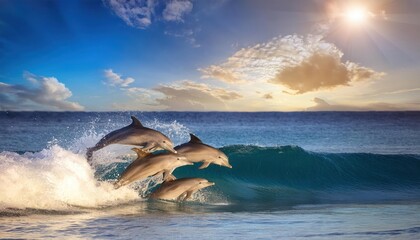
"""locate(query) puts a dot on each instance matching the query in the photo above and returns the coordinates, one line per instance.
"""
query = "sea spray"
(54, 178)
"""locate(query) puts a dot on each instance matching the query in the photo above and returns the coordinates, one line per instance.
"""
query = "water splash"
(54, 178)
(59, 178)
(176, 131)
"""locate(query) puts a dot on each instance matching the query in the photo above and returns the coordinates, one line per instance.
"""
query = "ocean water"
(316, 175)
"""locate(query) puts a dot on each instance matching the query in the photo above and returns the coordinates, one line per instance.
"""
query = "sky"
(219, 55)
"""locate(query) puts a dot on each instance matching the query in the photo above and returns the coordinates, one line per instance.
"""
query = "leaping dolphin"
(134, 134)
(148, 164)
(180, 189)
(196, 151)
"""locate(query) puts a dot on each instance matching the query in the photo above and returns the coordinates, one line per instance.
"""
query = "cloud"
(268, 96)
(187, 34)
(302, 64)
(145, 96)
(48, 94)
(191, 96)
(114, 79)
(220, 73)
(178, 96)
(135, 13)
(175, 10)
(141, 13)
(401, 91)
(321, 71)
(322, 105)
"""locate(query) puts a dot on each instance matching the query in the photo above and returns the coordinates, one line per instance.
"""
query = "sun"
(356, 15)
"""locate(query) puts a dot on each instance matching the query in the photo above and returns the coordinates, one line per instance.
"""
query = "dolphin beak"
(186, 162)
(208, 184)
(226, 165)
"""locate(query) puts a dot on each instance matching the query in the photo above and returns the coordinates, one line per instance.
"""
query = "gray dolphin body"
(180, 189)
(148, 164)
(134, 134)
(196, 151)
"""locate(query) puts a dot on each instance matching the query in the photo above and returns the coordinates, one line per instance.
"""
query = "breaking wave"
(58, 178)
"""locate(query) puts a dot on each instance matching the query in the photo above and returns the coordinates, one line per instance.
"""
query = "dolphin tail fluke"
(204, 165)
(89, 154)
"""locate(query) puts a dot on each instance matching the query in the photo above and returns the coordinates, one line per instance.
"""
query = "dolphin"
(196, 151)
(180, 189)
(148, 164)
(134, 134)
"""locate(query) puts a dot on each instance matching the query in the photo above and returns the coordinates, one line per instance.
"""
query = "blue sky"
(201, 55)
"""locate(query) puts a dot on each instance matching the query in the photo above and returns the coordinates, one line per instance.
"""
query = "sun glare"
(356, 15)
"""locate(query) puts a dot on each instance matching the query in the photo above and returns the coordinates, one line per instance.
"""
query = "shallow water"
(180, 221)
(294, 175)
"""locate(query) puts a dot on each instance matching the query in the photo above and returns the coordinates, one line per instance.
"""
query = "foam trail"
(54, 178)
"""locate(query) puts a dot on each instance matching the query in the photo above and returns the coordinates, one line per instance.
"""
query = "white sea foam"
(55, 178)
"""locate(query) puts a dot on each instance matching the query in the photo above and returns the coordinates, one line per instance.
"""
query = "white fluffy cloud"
(135, 13)
(175, 10)
(141, 13)
(47, 94)
(114, 79)
(302, 64)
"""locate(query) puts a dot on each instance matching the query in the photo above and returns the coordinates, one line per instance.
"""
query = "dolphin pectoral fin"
(148, 147)
(135, 122)
(204, 165)
(167, 176)
(188, 195)
(181, 197)
(140, 153)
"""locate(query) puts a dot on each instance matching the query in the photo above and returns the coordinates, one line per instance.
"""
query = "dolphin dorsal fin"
(136, 122)
(140, 153)
(194, 139)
